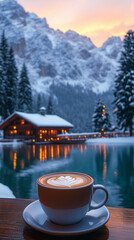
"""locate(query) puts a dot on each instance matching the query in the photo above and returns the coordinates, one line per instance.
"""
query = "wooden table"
(12, 226)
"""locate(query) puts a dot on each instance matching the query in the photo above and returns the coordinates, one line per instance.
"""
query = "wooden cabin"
(35, 127)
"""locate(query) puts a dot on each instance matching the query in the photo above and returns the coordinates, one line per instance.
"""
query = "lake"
(109, 164)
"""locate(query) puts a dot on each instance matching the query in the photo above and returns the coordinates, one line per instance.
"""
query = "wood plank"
(12, 226)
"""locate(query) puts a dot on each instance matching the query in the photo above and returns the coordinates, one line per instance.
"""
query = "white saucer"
(35, 217)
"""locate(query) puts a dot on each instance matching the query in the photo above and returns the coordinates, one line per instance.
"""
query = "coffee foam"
(65, 180)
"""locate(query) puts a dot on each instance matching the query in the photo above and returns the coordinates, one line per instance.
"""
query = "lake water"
(109, 164)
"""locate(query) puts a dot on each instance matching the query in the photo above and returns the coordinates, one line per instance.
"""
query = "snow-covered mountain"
(54, 57)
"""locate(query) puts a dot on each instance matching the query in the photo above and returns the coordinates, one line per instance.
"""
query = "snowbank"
(5, 192)
(124, 140)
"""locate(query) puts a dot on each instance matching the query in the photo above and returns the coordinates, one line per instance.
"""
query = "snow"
(42, 46)
(5, 192)
(122, 140)
(43, 120)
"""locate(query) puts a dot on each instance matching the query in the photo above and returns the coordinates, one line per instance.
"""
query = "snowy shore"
(5, 192)
(118, 140)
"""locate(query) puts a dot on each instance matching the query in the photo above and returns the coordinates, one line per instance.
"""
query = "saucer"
(35, 217)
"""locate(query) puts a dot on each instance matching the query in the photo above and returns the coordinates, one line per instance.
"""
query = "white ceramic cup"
(68, 205)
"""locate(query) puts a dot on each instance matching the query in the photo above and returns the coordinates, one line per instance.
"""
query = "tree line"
(15, 88)
(123, 91)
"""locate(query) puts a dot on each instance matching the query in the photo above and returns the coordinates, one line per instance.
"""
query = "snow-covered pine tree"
(12, 83)
(97, 117)
(101, 119)
(1, 90)
(124, 85)
(50, 106)
(4, 51)
(106, 122)
(24, 92)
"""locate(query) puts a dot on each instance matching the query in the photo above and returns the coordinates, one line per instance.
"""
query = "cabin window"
(22, 121)
(15, 131)
(14, 127)
(28, 132)
(40, 135)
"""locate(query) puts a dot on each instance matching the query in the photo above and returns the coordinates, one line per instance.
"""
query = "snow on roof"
(44, 120)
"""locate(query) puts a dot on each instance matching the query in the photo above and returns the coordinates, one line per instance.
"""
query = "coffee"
(66, 197)
(65, 180)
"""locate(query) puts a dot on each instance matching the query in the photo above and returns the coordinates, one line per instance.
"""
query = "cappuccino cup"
(66, 197)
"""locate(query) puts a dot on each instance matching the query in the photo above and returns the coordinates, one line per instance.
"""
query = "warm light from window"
(104, 132)
(99, 133)
(22, 121)
(58, 139)
(103, 106)
(14, 127)
(62, 130)
(11, 132)
(40, 131)
(102, 129)
(40, 135)
(94, 135)
(33, 140)
(15, 131)
(28, 132)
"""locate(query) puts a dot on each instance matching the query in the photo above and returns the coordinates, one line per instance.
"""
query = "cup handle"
(98, 205)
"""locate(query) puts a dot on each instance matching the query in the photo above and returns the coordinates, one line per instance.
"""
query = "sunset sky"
(98, 19)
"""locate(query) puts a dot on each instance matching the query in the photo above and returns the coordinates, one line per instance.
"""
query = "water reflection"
(110, 165)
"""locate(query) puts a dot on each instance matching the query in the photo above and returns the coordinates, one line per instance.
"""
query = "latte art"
(66, 181)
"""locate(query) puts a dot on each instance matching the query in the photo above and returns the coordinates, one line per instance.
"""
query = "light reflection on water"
(111, 165)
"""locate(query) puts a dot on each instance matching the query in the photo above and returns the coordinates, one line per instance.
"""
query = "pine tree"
(12, 83)
(101, 120)
(4, 51)
(24, 92)
(50, 106)
(124, 85)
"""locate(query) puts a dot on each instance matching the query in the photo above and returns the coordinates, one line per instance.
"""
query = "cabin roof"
(41, 120)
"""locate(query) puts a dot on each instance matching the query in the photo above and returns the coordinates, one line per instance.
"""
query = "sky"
(97, 19)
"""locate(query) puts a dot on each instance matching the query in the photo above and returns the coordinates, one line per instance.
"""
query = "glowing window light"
(40, 135)
(22, 121)
(14, 127)
(104, 106)
(102, 129)
(15, 131)
(28, 132)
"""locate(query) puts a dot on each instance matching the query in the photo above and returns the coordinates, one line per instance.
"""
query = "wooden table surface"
(12, 226)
